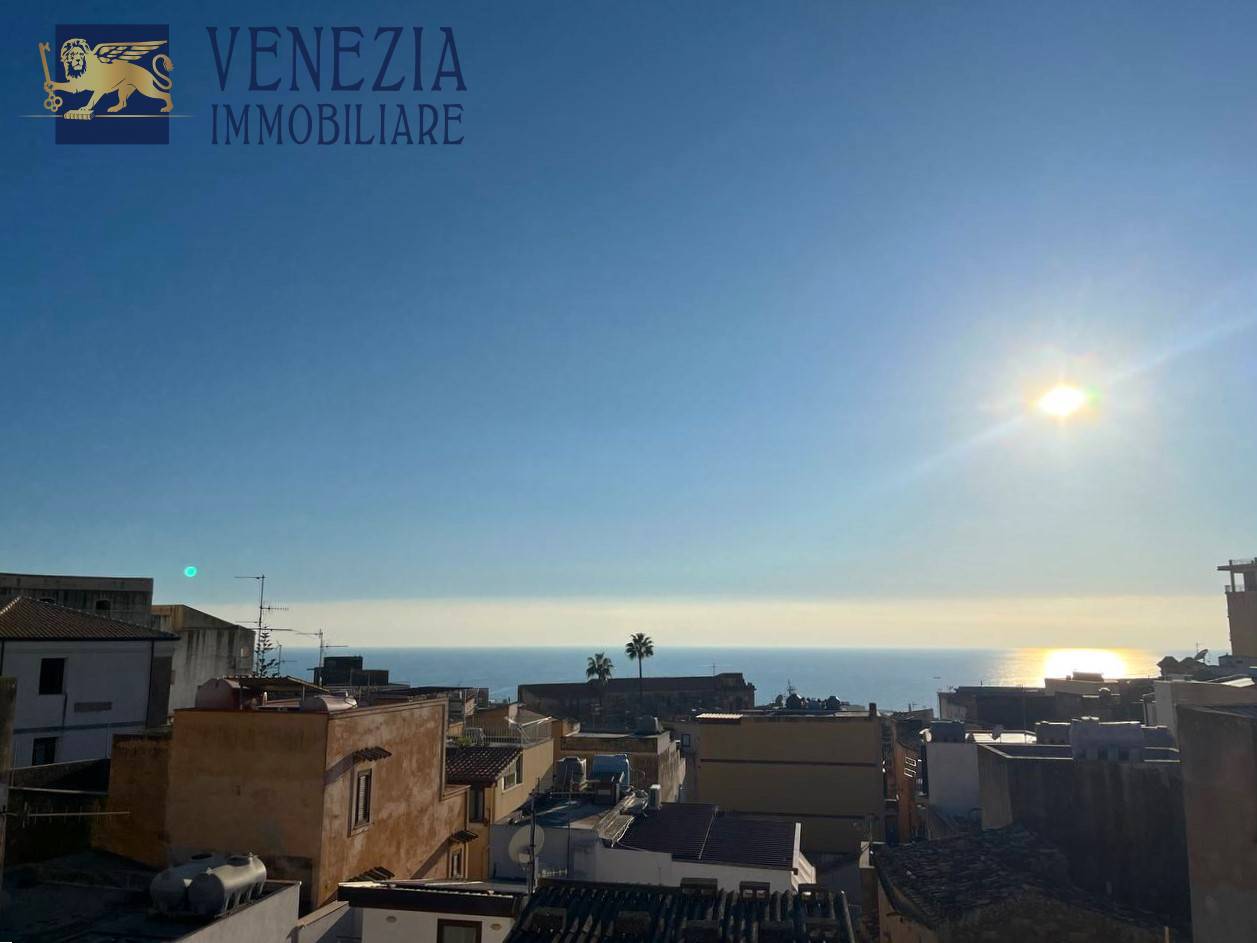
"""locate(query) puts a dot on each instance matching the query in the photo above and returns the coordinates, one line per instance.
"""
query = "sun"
(1062, 401)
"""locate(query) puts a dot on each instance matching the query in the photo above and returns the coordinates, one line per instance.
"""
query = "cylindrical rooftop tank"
(169, 889)
(224, 888)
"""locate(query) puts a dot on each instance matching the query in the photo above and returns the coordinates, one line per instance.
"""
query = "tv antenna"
(321, 636)
(263, 608)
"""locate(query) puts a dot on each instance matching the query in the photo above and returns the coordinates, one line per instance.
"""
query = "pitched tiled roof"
(469, 766)
(582, 912)
(701, 832)
(23, 619)
(937, 881)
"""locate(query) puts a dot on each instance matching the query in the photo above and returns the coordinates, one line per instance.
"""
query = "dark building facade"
(621, 700)
(1120, 824)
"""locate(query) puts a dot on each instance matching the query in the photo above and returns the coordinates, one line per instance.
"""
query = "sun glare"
(1060, 663)
(1062, 401)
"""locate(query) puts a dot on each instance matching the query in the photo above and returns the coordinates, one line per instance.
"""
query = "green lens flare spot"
(189, 571)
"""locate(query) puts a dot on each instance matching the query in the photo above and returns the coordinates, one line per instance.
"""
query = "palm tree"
(640, 647)
(598, 672)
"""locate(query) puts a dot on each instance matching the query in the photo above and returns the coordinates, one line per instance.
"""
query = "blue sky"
(714, 302)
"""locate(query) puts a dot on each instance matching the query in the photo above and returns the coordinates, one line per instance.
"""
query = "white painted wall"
(96, 673)
(412, 926)
(953, 774)
(269, 920)
(579, 854)
(204, 653)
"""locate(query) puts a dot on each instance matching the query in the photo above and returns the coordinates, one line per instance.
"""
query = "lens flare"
(189, 571)
(1062, 401)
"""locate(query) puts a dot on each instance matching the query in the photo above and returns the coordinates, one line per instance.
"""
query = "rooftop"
(630, 685)
(582, 912)
(1049, 751)
(94, 897)
(937, 881)
(1247, 711)
(699, 831)
(26, 619)
(469, 766)
(847, 712)
(468, 897)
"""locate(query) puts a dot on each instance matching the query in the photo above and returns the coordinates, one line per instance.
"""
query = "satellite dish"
(518, 846)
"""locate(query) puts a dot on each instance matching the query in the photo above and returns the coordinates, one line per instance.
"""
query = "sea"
(893, 678)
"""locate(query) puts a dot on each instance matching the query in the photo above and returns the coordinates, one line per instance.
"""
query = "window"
(103, 605)
(52, 676)
(457, 931)
(362, 799)
(515, 775)
(475, 805)
(44, 751)
(456, 863)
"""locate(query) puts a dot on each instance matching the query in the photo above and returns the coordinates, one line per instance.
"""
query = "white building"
(951, 762)
(81, 678)
(633, 844)
(208, 648)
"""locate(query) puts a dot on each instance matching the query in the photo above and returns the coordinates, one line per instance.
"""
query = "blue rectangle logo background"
(110, 130)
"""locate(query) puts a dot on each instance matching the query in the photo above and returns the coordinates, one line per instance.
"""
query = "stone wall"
(1120, 825)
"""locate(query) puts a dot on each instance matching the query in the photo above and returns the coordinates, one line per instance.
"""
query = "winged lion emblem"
(109, 67)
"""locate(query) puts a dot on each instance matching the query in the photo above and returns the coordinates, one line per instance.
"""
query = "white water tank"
(224, 888)
(169, 889)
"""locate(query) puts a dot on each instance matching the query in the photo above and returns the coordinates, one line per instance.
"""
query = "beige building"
(322, 790)
(1241, 607)
(654, 758)
(500, 775)
(822, 768)
(208, 647)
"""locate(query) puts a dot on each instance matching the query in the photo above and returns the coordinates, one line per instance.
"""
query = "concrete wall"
(413, 812)
(408, 926)
(336, 922)
(269, 920)
(1219, 752)
(139, 779)
(208, 647)
(249, 781)
(1168, 695)
(822, 771)
(953, 773)
(621, 702)
(1120, 825)
(107, 688)
(1241, 612)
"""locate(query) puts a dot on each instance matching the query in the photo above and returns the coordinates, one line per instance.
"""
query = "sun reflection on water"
(1062, 662)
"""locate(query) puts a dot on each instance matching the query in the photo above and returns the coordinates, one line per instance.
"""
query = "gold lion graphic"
(110, 67)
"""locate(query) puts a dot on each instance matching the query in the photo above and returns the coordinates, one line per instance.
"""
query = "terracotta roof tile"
(466, 766)
(582, 912)
(23, 618)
